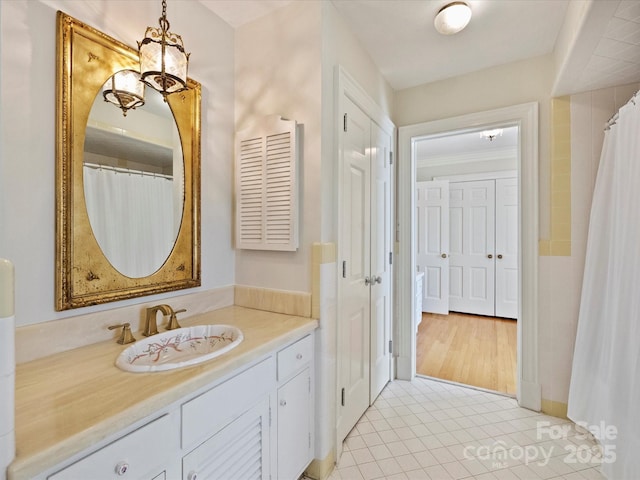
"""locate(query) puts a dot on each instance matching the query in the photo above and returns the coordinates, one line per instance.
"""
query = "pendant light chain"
(164, 23)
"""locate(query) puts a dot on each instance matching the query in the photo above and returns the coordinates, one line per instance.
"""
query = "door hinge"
(342, 401)
(344, 269)
(309, 439)
(390, 158)
(390, 258)
(390, 346)
(344, 125)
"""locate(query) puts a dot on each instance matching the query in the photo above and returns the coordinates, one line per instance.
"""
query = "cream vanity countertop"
(69, 401)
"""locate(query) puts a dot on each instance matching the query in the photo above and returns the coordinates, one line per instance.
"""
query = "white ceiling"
(466, 147)
(600, 39)
(400, 37)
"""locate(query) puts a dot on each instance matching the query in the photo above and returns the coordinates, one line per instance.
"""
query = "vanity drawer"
(294, 357)
(140, 454)
(208, 413)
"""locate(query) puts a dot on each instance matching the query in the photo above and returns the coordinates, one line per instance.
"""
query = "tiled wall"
(559, 243)
(560, 274)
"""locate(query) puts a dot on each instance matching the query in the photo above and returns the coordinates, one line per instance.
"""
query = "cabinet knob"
(192, 476)
(444, 255)
(122, 468)
(489, 256)
(283, 403)
(299, 356)
(499, 256)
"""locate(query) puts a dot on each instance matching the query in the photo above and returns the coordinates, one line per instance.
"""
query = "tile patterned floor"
(431, 430)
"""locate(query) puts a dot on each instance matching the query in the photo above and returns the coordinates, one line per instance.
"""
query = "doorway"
(524, 116)
(466, 249)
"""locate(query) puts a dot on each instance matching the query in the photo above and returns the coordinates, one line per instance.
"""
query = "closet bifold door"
(507, 248)
(472, 245)
(266, 187)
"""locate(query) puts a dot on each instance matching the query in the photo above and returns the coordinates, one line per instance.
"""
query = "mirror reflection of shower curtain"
(605, 381)
(132, 218)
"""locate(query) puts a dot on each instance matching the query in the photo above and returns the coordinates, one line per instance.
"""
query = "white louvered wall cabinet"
(266, 187)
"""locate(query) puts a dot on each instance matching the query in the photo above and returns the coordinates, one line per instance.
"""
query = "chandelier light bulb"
(452, 18)
(125, 90)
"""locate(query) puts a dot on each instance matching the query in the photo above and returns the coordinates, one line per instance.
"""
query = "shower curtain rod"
(612, 121)
(96, 166)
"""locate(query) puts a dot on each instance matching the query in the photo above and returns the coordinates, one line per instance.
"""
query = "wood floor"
(469, 349)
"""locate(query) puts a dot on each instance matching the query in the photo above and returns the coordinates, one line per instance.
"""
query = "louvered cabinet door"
(238, 451)
(266, 194)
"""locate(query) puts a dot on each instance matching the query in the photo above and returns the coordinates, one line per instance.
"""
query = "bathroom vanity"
(245, 414)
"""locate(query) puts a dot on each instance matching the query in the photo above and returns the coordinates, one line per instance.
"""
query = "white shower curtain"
(132, 218)
(605, 379)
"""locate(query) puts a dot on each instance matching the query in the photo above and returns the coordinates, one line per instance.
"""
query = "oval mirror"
(133, 181)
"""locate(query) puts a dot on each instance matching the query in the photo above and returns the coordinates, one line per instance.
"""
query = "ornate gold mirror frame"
(86, 58)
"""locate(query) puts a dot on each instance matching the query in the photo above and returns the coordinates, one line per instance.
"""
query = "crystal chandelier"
(163, 61)
(125, 90)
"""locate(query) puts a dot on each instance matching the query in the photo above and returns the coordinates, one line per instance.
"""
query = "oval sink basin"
(177, 348)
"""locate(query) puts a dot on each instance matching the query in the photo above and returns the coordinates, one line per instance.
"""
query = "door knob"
(377, 279)
(367, 281)
(489, 256)
(499, 255)
(444, 255)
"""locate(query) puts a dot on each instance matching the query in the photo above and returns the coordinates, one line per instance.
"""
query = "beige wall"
(560, 277)
(340, 47)
(497, 87)
(278, 72)
(27, 162)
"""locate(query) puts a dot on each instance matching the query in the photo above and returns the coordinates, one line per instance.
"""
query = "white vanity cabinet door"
(294, 426)
(144, 454)
(238, 451)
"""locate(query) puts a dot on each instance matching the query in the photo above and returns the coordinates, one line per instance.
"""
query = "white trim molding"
(525, 116)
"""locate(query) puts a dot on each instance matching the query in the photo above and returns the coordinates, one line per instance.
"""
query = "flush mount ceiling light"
(452, 18)
(125, 90)
(491, 134)
(163, 61)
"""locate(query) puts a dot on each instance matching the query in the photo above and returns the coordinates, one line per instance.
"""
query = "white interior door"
(381, 236)
(354, 290)
(507, 247)
(432, 252)
(472, 245)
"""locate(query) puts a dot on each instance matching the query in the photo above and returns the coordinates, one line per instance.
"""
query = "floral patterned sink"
(179, 348)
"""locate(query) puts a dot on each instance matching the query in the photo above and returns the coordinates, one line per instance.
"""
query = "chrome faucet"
(150, 324)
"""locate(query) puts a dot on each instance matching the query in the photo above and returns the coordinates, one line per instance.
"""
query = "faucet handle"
(126, 336)
(173, 319)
